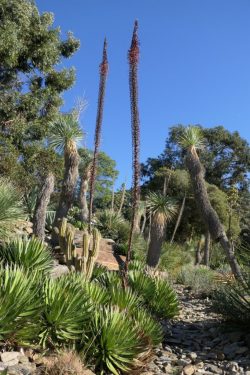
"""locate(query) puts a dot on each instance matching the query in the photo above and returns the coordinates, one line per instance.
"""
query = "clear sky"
(194, 67)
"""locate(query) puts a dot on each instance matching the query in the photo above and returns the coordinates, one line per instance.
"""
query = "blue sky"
(194, 67)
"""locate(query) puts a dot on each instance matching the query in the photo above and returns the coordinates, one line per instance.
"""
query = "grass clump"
(233, 301)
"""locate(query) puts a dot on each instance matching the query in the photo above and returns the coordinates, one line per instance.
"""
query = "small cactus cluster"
(90, 248)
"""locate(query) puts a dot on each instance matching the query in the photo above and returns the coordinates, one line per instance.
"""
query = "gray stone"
(213, 368)
(189, 370)
(10, 358)
(58, 271)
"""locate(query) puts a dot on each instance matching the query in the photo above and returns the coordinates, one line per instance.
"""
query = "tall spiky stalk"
(102, 85)
(133, 57)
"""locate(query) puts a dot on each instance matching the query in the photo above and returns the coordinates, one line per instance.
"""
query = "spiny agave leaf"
(31, 254)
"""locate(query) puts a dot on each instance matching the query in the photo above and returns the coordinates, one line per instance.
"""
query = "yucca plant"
(96, 293)
(191, 140)
(109, 223)
(19, 305)
(66, 312)
(65, 133)
(49, 220)
(11, 208)
(114, 341)
(162, 210)
(109, 278)
(30, 254)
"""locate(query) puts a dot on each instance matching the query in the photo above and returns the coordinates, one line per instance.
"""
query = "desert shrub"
(114, 341)
(233, 301)
(66, 311)
(30, 254)
(200, 279)
(19, 305)
(175, 256)
(64, 363)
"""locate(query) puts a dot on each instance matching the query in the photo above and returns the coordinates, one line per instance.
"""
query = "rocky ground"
(198, 342)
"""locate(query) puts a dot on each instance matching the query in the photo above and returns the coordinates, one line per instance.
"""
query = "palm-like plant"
(11, 208)
(162, 209)
(191, 140)
(65, 133)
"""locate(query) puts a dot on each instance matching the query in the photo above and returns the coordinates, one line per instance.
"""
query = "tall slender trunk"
(102, 86)
(113, 197)
(83, 194)
(198, 255)
(177, 224)
(208, 214)
(157, 235)
(122, 198)
(42, 202)
(71, 163)
(133, 56)
(143, 223)
(207, 249)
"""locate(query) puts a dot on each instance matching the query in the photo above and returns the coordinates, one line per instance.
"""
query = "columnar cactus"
(90, 248)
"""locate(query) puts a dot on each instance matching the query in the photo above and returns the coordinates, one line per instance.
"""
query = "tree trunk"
(207, 249)
(83, 194)
(122, 198)
(178, 219)
(198, 255)
(208, 214)
(42, 202)
(143, 223)
(157, 235)
(71, 162)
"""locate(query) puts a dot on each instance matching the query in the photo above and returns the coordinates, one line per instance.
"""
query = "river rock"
(10, 358)
(189, 370)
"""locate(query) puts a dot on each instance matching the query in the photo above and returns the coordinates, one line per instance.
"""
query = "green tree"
(31, 85)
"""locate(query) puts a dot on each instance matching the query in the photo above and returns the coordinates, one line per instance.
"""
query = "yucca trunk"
(207, 249)
(42, 202)
(179, 218)
(83, 194)
(133, 57)
(208, 214)
(100, 106)
(71, 163)
(157, 236)
(122, 198)
(198, 252)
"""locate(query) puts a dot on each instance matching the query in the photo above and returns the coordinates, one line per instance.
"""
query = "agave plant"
(124, 298)
(114, 341)
(19, 305)
(11, 208)
(66, 312)
(109, 223)
(30, 254)
(150, 329)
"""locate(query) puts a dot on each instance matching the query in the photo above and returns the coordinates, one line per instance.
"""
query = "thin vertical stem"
(99, 117)
(133, 57)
